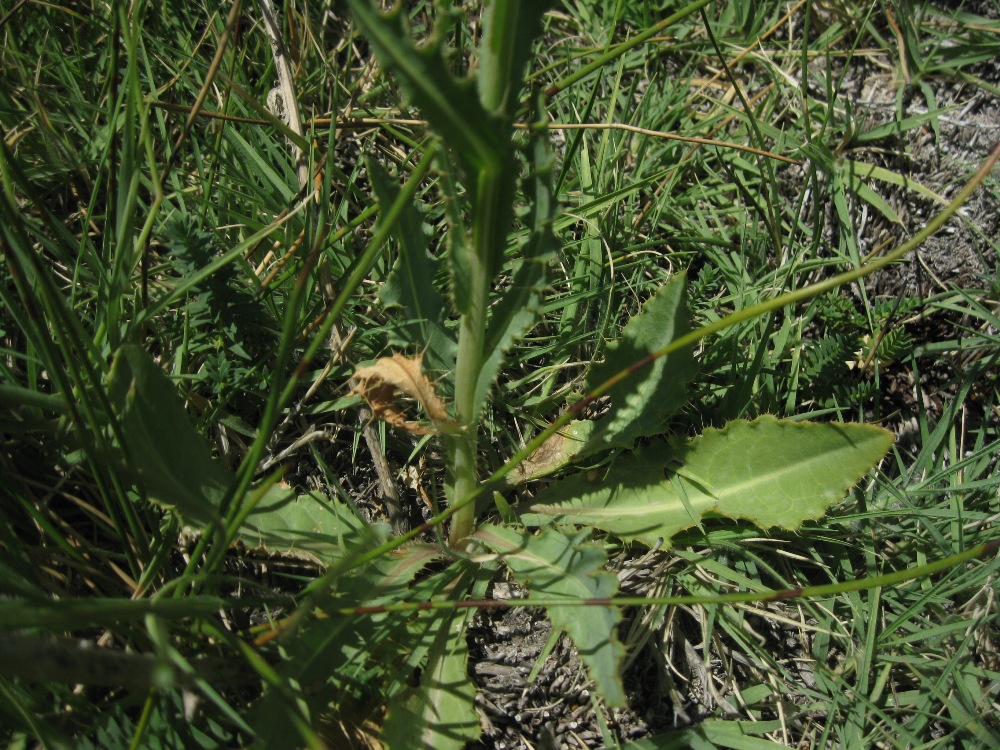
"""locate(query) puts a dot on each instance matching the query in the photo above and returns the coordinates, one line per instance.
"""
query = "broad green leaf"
(440, 714)
(769, 471)
(554, 565)
(316, 528)
(643, 403)
(410, 285)
(173, 463)
(169, 459)
(346, 644)
(343, 658)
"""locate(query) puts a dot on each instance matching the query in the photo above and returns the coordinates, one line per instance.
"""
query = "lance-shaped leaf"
(769, 471)
(451, 106)
(410, 286)
(553, 565)
(509, 29)
(643, 403)
(456, 242)
(440, 714)
(173, 463)
(169, 459)
(328, 659)
(307, 526)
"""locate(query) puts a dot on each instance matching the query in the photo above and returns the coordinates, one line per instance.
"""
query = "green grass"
(128, 226)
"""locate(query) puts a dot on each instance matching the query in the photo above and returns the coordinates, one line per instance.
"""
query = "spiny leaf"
(173, 463)
(643, 403)
(521, 303)
(306, 526)
(410, 286)
(439, 712)
(555, 565)
(509, 29)
(382, 383)
(451, 106)
(457, 243)
(479, 140)
(769, 471)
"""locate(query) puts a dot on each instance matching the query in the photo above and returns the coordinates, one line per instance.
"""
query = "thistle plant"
(773, 472)
(382, 631)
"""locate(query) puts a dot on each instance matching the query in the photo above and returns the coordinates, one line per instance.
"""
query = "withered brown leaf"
(383, 384)
(558, 451)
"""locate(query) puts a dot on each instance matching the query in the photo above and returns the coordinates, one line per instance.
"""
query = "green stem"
(491, 216)
(488, 237)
